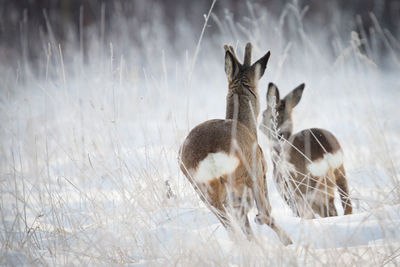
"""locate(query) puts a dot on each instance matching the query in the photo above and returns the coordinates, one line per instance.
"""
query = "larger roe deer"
(308, 165)
(222, 158)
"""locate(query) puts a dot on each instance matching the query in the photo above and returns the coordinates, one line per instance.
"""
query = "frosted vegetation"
(89, 172)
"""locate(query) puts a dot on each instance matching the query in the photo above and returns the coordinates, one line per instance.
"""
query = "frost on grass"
(89, 170)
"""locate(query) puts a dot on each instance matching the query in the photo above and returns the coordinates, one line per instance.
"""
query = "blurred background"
(96, 98)
(23, 21)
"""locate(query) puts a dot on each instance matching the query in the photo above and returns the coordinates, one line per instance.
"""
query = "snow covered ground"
(89, 151)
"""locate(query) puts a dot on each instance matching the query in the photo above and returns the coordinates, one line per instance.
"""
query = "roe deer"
(307, 165)
(222, 158)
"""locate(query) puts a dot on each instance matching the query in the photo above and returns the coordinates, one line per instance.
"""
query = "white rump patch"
(321, 167)
(214, 166)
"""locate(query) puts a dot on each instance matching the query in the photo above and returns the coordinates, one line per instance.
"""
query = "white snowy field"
(89, 172)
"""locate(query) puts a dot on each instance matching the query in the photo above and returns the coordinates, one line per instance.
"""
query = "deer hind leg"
(241, 207)
(304, 209)
(264, 208)
(343, 189)
(269, 220)
(220, 212)
(319, 208)
(211, 194)
(324, 202)
(331, 185)
(243, 220)
(331, 207)
(215, 198)
(325, 209)
(249, 233)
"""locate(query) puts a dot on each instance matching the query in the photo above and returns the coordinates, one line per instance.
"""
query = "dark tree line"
(27, 18)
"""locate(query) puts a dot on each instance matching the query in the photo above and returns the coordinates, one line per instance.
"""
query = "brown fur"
(236, 135)
(306, 194)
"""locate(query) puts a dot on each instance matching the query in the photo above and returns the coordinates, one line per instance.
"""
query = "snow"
(85, 159)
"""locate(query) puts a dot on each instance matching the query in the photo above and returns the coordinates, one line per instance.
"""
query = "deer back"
(220, 148)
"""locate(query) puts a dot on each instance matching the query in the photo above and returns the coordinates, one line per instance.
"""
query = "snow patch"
(321, 167)
(214, 166)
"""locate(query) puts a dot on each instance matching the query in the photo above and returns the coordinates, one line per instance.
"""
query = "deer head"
(243, 80)
(278, 114)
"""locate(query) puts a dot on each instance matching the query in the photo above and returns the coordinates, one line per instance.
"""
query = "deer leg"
(331, 207)
(220, 212)
(325, 209)
(211, 194)
(269, 220)
(215, 195)
(319, 203)
(304, 209)
(264, 207)
(247, 229)
(343, 189)
(261, 198)
(324, 201)
(239, 204)
(319, 208)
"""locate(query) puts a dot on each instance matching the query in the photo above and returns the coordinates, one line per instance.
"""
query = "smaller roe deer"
(222, 158)
(307, 165)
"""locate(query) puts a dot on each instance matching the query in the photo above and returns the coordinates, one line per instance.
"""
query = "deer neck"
(242, 105)
(277, 142)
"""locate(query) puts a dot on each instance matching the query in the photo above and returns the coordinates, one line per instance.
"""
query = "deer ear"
(261, 64)
(293, 98)
(231, 66)
(273, 94)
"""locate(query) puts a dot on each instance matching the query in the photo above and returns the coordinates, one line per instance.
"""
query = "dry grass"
(86, 149)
